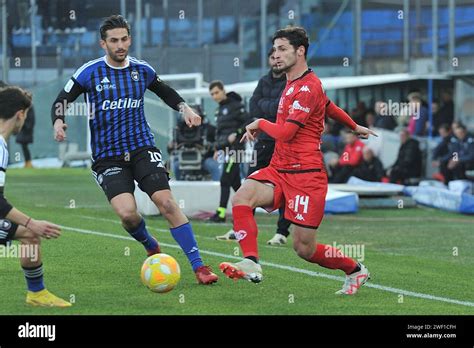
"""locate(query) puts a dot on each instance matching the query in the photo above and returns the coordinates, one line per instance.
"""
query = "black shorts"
(7, 231)
(116, 175)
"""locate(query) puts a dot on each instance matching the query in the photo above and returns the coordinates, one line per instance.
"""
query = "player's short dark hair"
(297, 37)
(12, 100)
(216, 83)
(113, 22)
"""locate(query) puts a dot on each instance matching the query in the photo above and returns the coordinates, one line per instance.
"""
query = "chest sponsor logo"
(105, 85)
(297, 106)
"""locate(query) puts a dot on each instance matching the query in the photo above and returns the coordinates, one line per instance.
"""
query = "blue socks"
(34, 278)
(141, 234)
(184, 236)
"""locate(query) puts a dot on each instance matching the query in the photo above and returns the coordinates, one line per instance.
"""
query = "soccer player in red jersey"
(296, 175)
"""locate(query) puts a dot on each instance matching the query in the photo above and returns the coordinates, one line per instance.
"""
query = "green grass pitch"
(412, 254)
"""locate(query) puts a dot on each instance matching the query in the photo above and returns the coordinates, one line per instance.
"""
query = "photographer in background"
(187, 142)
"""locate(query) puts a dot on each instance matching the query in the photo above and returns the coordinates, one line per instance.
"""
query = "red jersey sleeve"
(339, 115)
(278, 132)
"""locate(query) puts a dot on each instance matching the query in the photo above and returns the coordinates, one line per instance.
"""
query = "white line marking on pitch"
(288, 268)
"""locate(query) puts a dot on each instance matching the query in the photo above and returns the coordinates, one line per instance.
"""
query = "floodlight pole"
(452, 38)
(434, 37)
(357, 13)
(33, 9)
(263, 36)
(4, 42)
(123, 8)
(138, 28)
(406, 34)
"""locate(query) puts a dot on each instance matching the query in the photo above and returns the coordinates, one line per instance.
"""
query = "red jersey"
(303, 102)
(352, 154)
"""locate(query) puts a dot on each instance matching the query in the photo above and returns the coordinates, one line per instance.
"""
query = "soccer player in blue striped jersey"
(14, 224)
(123, 148)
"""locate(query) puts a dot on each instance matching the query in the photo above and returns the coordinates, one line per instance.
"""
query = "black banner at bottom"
(226, 330)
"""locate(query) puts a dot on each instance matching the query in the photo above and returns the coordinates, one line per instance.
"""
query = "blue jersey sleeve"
(82, 75)
(151, 75)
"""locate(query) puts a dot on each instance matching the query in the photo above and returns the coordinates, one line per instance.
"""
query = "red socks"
(330, 257)
(245, 229)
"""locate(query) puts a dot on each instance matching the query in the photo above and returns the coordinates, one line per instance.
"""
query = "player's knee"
(167, 206)
(241, 197)
(130, 218)
(305, 251)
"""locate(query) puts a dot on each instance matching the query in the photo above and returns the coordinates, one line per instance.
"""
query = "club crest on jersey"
(290, 90)
(135, 76)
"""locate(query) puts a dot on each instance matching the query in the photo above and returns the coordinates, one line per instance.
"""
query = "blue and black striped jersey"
(115, 97)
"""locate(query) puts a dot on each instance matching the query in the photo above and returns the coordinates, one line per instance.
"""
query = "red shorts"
(303, 195)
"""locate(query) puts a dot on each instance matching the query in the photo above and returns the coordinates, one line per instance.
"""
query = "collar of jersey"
(304, 74)
(117, 67)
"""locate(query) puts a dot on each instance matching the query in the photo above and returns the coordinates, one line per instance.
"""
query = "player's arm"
(174, 101)
(68, 94)
(339, 115)
(284, 132)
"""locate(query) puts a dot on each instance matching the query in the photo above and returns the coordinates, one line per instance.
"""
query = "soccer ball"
(160, 273)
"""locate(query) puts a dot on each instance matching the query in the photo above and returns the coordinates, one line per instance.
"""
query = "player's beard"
(287, 67)
(276, 70)
(114, 56)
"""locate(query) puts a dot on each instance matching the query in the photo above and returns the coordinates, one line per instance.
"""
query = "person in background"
(231, 119)
(383, 121)
(460, 157)
(445, 113)
(350, 158)
(371, 169)
(370, 118)
(417, 123)
(441, 150)
(408, 163)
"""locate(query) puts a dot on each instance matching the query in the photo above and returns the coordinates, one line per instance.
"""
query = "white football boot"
(277, 240)
(245, 269)
(354, 281)
(230, 235)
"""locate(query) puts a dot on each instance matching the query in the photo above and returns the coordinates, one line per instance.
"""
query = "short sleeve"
(81, 76)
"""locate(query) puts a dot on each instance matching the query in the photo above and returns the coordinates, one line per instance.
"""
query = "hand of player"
(60, 130)
(252, 131)
(44, 229)
(364, 132)
(190, 117)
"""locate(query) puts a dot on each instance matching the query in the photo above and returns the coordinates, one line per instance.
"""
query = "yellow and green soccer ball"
(160, 273)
